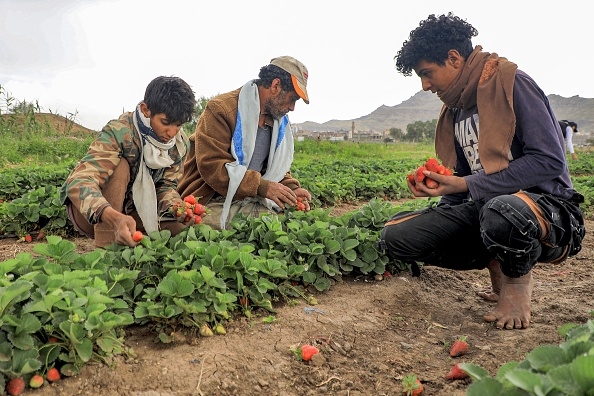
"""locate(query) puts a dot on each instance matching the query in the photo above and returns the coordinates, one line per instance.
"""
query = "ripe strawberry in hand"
(430, 183)
(459, 347)
(419, 175)
(199, 209)
(137, 236)
(411, 178)
(456, 373)
(432, 165)
(190, 199)
(300, 205)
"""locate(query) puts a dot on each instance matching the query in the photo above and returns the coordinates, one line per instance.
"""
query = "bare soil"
(371, 333)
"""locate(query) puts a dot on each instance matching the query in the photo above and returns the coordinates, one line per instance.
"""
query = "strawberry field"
(228, 312)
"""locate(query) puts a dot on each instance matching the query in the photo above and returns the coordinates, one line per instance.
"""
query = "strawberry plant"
(565, 369)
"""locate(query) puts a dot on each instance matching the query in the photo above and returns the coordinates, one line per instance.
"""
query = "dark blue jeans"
(469, 235)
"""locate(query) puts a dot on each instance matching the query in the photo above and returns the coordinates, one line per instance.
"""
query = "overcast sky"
(94, 58)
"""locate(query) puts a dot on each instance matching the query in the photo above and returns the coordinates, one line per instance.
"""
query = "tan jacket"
(204, 172)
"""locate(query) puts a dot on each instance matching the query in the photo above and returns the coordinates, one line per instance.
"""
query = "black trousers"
(469, 235)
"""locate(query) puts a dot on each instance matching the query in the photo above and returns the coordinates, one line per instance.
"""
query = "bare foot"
(513, 307)
(492, 293)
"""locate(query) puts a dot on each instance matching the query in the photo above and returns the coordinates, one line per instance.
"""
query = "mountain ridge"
(425, 106)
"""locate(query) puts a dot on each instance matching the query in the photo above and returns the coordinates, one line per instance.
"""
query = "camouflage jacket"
(117, 140)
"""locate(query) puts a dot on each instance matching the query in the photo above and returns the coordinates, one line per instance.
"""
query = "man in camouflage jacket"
(99, 191)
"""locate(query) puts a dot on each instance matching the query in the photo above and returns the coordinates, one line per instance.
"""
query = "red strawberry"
(412, 386)
(15, 386)
(307, 351)
(190, 199)
(432, 165)
(441, 169)
(53, 375)
(300, 206)
(137, 236)
(430, 183)
(459, 347)
(448, 172)
(189, 214)
(411, 178)
(36, 381)
(52, 339)
(199, 209)
(197, 219)
(456, 373)
(420, 176)
(28, 238)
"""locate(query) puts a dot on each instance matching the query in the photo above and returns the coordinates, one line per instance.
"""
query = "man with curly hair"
(510, 202)
(242, 150)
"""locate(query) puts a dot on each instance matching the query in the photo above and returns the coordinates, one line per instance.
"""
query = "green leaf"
(322, 284)
(349, 244)
(485, 387)
(25, 362)
(22, 341)
(14, 293)
(210, 278)
(563, 380)
(524, 379)
(332, 246)
(474, 371)
(582, 369)
(546, 357)
(84, 349)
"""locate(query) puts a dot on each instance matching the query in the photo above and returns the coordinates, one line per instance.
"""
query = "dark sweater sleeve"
(538, 150)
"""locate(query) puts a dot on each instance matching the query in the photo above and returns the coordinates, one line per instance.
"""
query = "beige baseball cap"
(298, 73)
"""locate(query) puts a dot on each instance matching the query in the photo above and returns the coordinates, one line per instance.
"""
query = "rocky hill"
(425, 106)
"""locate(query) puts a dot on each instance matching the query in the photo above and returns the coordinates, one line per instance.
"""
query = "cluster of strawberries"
(17, 385)
(431, 165)
(190, 207)
(300, 205)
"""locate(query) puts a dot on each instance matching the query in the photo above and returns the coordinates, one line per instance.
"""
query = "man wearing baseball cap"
(242, 150)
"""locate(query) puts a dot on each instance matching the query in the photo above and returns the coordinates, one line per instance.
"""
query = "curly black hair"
(270, 72)
(432, 40)
(172, 96)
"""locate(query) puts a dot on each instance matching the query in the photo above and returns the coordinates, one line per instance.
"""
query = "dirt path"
(371, 334)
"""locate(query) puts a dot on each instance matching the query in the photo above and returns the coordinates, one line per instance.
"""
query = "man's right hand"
(281, 194)
(123, 226)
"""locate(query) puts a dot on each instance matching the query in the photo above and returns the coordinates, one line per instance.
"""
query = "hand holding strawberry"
(418, 177)
(189, 211)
